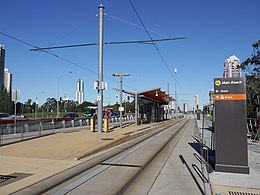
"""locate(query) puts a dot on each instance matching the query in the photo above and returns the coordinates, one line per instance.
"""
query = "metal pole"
(168, 106)
(136, 109)
(121, 88)
(58, 104)
(203, 125)
(15, 115)
(176, 105)
(125, 101)
(35, 113)
(121, 92)
(100, 68)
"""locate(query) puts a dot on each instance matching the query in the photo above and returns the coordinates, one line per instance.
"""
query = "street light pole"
(36, 103)
(121, 89)
(58, 94)
(176, 105)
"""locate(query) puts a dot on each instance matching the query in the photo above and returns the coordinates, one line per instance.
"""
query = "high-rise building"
(231, 67)
(196, 103)
(2, 66)
(80, 91)
(211, 97)
(185, 107)
(7, 80)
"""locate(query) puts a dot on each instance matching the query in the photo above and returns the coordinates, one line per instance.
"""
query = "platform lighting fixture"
(121, 108)
(156, 94)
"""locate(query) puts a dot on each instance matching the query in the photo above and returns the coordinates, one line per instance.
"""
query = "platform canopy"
(156, 95)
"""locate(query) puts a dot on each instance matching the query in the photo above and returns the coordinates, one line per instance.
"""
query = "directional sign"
(230, 125)
(230, 97)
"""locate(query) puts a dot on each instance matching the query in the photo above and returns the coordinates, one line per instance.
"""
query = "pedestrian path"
(233, 183)
(25, 163)
(181, 173)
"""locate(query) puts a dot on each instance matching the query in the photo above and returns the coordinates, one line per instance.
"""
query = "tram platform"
(26, 163)
(224, 183)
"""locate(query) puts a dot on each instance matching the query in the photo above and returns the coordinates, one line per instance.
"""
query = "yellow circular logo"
(217, 82)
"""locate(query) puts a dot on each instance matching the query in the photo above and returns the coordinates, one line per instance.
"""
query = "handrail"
(11, 132)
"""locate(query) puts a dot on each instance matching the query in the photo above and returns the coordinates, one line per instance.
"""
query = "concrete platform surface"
(46, 156)
(224, 183)
(43, 157)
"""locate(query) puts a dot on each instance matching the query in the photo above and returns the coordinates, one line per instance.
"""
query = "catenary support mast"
(100, 68)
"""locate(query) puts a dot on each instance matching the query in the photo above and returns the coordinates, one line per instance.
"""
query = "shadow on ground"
(204, 153)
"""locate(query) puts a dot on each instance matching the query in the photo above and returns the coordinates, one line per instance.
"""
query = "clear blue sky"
(214, 30)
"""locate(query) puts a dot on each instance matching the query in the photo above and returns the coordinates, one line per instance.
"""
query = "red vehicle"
(107, 112)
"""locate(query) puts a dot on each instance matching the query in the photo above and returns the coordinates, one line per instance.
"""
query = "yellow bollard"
(92, 124)
(106, 125)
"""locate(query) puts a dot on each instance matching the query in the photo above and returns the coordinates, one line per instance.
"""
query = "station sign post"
(230, 125)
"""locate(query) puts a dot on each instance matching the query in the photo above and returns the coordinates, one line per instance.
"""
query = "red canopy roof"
(156, 95)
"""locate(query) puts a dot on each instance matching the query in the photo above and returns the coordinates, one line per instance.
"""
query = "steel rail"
(116, 162)
(124, 188)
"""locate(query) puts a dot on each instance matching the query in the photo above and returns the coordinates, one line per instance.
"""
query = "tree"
(50, 106)
(68, 106)
(28, 106)
(251, 67)
(81, 107)
(6, 104)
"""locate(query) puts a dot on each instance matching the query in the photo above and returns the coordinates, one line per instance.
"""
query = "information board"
(230, 125)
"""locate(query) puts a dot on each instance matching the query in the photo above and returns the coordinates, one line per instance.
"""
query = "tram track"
(105, 161)
(128, 188)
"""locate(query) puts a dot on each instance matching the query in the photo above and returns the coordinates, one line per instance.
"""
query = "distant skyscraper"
(80, 91)
(196, 103)
(7, 80)
(231, 67)
(211, 96)
(2, 66)
(185, 107)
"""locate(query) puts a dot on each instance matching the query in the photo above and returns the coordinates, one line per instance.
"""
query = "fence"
(24, 130)
(252, 128)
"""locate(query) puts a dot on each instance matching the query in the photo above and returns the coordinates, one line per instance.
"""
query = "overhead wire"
(154, 44)
(19, 40)
(152, 41)
(46, 51)
(136, 25)
(61, 58)
(106, 43)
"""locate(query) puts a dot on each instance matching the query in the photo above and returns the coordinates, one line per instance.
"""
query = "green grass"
(47, 115)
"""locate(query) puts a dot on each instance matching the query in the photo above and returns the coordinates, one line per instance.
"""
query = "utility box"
(106, 124)
(92, 124)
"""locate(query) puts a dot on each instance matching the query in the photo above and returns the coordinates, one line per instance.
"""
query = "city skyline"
(80, 92)
(210, 39)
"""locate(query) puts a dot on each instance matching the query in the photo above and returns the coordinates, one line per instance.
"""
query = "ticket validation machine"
(230, 125)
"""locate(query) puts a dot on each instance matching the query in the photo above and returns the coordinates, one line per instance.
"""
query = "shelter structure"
(149, 105)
